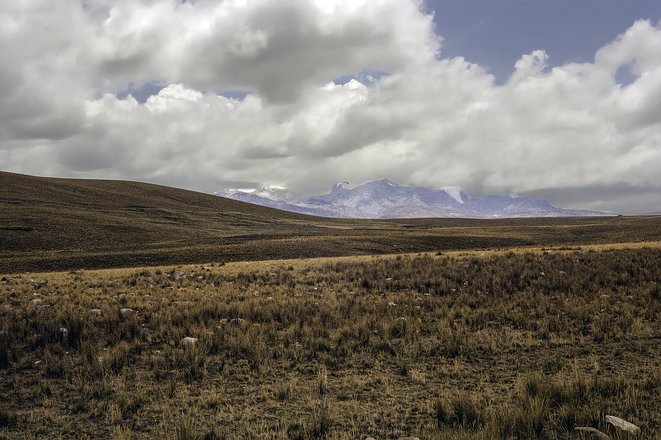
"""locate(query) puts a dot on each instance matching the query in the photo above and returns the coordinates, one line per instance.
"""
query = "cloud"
(425, 120)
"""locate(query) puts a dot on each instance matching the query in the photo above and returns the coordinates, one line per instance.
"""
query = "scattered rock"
(392, 304)
(188, 341)
(39, 283)
(622, 424)
(125, 311)
(8, 279)
(95, 311)
(178, 275)
(64, 331)
(237, 321)
(37, 363)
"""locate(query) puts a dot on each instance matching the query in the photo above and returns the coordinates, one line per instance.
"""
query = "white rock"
(188, 341)
(622, 424)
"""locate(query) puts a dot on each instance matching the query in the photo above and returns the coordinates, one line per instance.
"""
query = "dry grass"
(491, 346)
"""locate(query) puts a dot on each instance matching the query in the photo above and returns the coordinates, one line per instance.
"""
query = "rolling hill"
(53, 223)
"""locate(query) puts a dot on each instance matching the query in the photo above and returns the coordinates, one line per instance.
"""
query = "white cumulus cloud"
(570, 132)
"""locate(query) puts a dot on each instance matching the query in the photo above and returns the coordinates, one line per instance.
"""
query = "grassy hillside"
(50, 224)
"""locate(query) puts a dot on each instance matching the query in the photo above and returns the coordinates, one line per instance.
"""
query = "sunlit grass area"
(475, 345)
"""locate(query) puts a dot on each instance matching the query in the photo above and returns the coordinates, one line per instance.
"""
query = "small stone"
(188, 341)
(125, 311)
(95, 311)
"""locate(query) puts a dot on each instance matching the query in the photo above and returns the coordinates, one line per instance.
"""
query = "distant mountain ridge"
(386, 199)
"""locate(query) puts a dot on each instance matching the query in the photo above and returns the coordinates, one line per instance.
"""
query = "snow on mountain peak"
(454, 192)
(338, 187)
(271, 192)
(385, 198)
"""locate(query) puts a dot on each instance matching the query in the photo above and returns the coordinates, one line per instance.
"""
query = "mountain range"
(386, 199)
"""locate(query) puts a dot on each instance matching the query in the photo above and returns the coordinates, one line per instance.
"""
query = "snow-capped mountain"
(387, 199)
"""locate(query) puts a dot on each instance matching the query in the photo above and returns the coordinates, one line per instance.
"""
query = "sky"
(558, 99)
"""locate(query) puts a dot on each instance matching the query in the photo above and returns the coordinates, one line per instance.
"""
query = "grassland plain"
(526, 344)
(63, 224)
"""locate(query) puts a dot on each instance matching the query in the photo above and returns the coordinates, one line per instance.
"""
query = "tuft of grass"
(186, 429)
(459, 411)
(192, 361)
